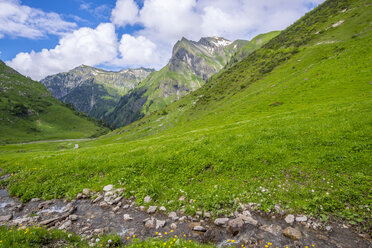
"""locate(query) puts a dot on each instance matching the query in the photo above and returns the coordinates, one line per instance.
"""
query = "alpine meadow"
(260, 143)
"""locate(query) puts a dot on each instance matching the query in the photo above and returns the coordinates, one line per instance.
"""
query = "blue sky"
(40, 38)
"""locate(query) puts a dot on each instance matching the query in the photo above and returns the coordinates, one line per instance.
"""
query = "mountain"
(94, 91)
(28, 111)
(191, 64)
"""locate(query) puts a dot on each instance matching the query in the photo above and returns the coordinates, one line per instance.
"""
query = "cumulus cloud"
(125, 12)
(84, 46)
(18, 20)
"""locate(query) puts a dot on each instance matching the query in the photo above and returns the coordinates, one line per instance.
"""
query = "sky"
(42, 37)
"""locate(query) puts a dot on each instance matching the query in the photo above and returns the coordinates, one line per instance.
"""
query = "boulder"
(108, 188)
(289, 219)
(160, 223)
(199, 229)
(301, 218)
(152, 209)
(173, 216)
(292, 233)
(150, 224)
(273, 229)
(234, 226)
(73, 217)
(5, 218)
(221, 221)
(127, 217)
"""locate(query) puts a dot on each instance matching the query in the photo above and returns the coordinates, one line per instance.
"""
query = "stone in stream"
(160, 223)
(301, 218)
(127, 217)
(292, 233)
(221, 221)
(73, 217)
(289, 219)
(6, 218)
(65, 225)
(234, 226)
(147, 199)
(249, 220)
(152, 209)
(199, 229)
(103, 204)
(108, 188)
(150, 224)
(273, 229)
(173, 216)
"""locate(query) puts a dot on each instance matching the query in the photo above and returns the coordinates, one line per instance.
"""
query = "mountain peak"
(214, 41)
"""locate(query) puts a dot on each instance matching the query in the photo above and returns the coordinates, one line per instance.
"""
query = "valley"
(268, 145)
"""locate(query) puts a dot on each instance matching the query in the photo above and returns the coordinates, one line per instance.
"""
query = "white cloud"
(137, 51)
(84, 46)
(18, 20)
(125, 12)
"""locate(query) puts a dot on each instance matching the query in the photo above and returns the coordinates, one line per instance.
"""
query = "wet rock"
(103, 204)
(193, 224)
(6, 218)
(100, 197)
(65, 225)
(273, 229)
(234, 226)
(328, 228)
(249, 220)
(301, 218)
(127, 217)
(108, 188)
(199, 213)
(221, 221)
(173, 216)
(44, 204)
(213, 236)
(86, 191)
(147, 199)
(152, 209)
(150, 224)
(162, 208)
(289, 219)
(173, 226)
(160, 223)
(292, 233)
(73, 217)
(199, 229)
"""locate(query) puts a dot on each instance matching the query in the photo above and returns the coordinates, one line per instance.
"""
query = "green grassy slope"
(29, 112)
(290, 124)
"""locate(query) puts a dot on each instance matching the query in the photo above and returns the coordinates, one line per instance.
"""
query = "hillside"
(286, 130)
(94, 91)
(29, 112)
(191, 64)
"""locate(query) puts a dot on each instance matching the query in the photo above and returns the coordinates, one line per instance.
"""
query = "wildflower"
(134, 236)
(266, 246)
(128, 237)
(165, 233)
(269, 243)
(171, 230)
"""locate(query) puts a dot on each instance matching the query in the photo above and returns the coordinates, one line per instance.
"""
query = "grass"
(39, 237)
(297, 134)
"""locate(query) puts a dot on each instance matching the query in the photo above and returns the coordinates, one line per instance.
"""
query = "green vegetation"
(29, 112)
(290, 124)
(39, 237)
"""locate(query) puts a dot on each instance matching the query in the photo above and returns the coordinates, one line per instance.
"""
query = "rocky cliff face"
(94, 91)
(191, 64)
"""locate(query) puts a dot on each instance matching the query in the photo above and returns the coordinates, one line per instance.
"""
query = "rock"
(199, 229)
(65, 225)
(200, 213)
(193, 224)
(142, 208)
(249, 220)
(328, 228)
(35, 199)
(115, 209)
(173, 216)
(301, 218)
(127, 217)
(44, 204)
(213, 236)
(5, 218)
(207, 215)
(86, 191)
(160, 223)
(234, 226)
(182, 198)
(150, 224)
(278, 209)
(292, 233)
(73, 217)
(79, 196)
(99, 231)
(103, 204)
(152, 209)
(247, 213)
(117, 200)
(100, 197)
(76, 146)
(108, 188)
(289, 219)
(147, 199)
(173, 226)
(182, 219)
(273, 229)
(126, 206)
(162, 208)
(221, 221)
